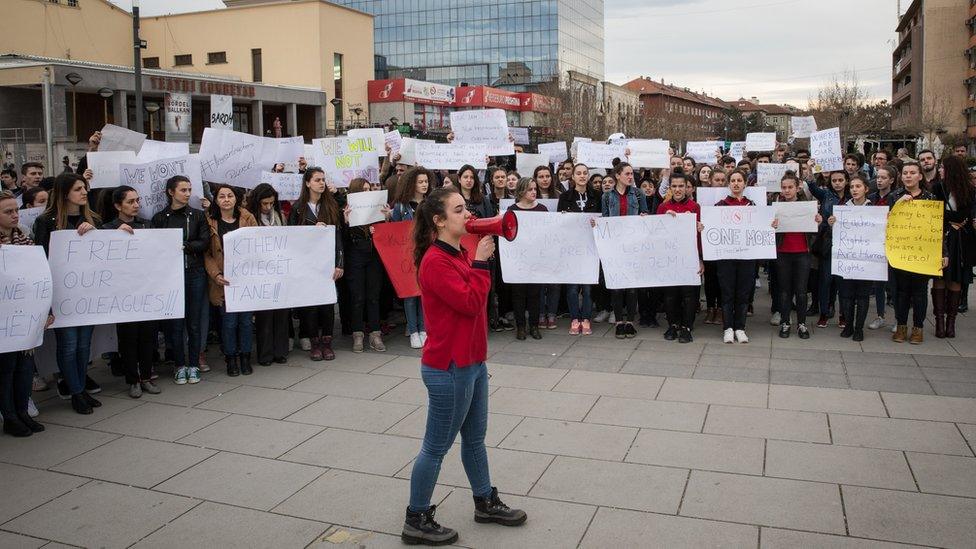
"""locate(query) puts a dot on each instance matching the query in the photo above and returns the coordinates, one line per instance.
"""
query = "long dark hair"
(259, 193)
(424, 229)
(328, 207)
(57, 204)
(214, 210)
(554, 185)
(477, 196)
(956, 182)
(407, 185)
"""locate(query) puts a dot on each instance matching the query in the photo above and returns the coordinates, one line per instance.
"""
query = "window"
(182, 60)
(256, 73)
(72, 3)
(150, 63)
(216, 57)
(337, 78)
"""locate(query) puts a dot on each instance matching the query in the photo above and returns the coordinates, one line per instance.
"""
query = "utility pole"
(137, 45)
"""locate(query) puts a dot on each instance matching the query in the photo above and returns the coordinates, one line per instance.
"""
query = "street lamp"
(106, 94)
(151, 108)
(337, 105)
(74, 79)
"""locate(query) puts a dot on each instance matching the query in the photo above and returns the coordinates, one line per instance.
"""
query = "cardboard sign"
(25, 297)
(488, 127)
(798, 216)
(525, 164)
(365, 207)
(373, 139)
(737, 150)
(858, 244)
(393, 140)
(149, 180)
(648, 251)
(600, 155)
(116, 138)
(914, 237)
(738, 232)
(105, 167)
(451, 156)
(521, 135)
(344, 159)
(555, 247)
(760, 141)
(770, 175)
(238, 158)
(158, 150)
(408, 150)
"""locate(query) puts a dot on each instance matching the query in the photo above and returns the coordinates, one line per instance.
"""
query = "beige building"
(621, 108)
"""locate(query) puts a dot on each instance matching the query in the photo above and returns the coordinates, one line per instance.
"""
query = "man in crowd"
(960, 150)
(32, 173)
(930, 167)
(8, 180)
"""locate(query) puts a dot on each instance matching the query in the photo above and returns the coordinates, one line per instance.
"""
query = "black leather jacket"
(196, 232)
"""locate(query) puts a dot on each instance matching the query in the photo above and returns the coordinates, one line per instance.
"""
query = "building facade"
(680, 113)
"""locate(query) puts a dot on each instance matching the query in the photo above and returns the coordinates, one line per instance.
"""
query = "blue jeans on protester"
(236, 330)
(457, 402)
(195, 288)
(414, 311)
(74, 352)
(573, 292)
(549, 299)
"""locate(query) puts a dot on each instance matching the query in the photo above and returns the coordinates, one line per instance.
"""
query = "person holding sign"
(885, 182)
(713, 291)
(830, 196)
(547, 187)
(68, 209)
(317, 206)
(526, 295)
(681, 302)
(271, 327)
(855, 295)
(582, 198)
(793, 266)
(624, 199)
(413, 188)
(364, 277)
(454, 290)
(954, 190)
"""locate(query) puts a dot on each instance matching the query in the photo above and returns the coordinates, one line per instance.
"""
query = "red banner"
(394, 243)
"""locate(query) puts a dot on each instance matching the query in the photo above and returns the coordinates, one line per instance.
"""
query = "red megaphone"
(505, 225)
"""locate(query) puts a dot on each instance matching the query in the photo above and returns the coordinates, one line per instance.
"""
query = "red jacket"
(454, 292)
(685, 206)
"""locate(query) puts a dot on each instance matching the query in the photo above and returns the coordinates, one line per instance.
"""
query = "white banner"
(288, 185)
(105, 167)
(803, 126)
(28, 216)
(599, 155)
(737, 150)
(25, 297)
(703, 151)
(178, 110)
(149, 180)
(451, 156)
(649, 153)
(648, 251)
(709, 196)
(521, 135)
(574, 148)
(279, 267)
(371, 139)
(557, 151)
(394, 140)
(222, 112)
(364, 207)
(825, 150)
(550, 203)
(117, 138)
(238, 158)
(770, 175)
(487, 127)
(760, 141)
(525, 163)
(417, 89)
(738, 232)
(344, 159)
(105, 277)
(408, 150)
(158, 150)
(858, 244)
(798, 216)
(556, 248)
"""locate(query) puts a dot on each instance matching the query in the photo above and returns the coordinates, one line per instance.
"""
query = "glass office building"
(512, 44)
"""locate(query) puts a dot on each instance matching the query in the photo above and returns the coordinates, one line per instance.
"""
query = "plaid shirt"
(17, 238)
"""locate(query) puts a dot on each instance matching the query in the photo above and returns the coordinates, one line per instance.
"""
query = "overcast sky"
(780, 51)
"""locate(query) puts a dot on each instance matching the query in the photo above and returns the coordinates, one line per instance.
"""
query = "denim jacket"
(636, 202)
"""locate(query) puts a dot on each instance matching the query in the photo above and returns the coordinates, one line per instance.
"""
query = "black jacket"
(47, 223)
(135, 224)
(310, 219)
(567, 201)
(196, 232)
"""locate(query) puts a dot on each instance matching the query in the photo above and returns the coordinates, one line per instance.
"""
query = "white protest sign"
(345, 159)
(738, 232)
(374, 139)
(25, 297)
(648, 251)
(649, 153)
(709, 196)
(28, 216)
(286, 149)
(112, 276)
(526, 163)
(288, 185)
(769, 175)
(157, 150)
(703, 151)
(364, 207)
(105, 167)
(803, 126)
(737, 150)
(858, 245)
(408, 150)
(521, 135)
(825, 150)
(760, 141)
(574, 148)
(393, 140)
(551, 204)
(234, 158)
(555, 247)
(279, 267)
(599, 155)
(451, 156)
(797, 216)
(149, 180)
(557, 151)
(222, 112)
(117, 138)
(487, 127)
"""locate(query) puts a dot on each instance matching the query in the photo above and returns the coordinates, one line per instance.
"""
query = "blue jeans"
(195, 289)
(236, 330)
(549, 299)
(457, 402)
(573, 298)
(74, 351)
(414, 311)
(828, 287)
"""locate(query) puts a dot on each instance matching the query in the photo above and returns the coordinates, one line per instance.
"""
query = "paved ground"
(606, 443)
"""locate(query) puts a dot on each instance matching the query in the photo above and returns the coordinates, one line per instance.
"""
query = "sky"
(779, 51)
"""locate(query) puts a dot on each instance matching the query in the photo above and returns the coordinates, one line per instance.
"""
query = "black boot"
(233, 369)
(92, 401)
(13, 426)
(80, 405)
(534, 332)
(29, 422)
(422, 529)
(671, 333)
(491, 509)
(245, 361)
(520, 333)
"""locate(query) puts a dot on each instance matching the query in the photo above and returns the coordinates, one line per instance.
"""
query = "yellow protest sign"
(913, 241)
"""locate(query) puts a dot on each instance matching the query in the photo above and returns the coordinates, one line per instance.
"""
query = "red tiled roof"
(744, 105)
(646, 86)
(775, 109)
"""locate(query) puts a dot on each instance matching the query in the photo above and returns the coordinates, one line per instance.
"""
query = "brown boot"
(952, 309)
(939, 309)
(916, 337)
(719, 317)
(901, 334)
(710, 316)
(316, 352)
(325, 347)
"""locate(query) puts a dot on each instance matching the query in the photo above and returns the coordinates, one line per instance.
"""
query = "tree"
(844, 104)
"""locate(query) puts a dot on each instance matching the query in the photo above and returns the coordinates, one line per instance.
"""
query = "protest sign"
(760, 141)
(487, 127)
(178, 111)
(157, 150)
(394, 243)
(703, 151)
(600, 155)
(737, 150)
(648, 251)
(149, 180)
(451, 156)
(28, 216)
(798, 216)
(649, 153)
(525, 164)
(769, 175)
(556, 151)
(521, 135)
(550, 203)
(222, 112)
(408, 150)
(285, 149)
(709, 196)
(825, 150)
(393, 140)
(234, 158)
(365, 207)
(803, 126)
(288, 185)
(914, 237)
(105, 167)
(373, 139)
(116, 138)
(279, 267)
(555, 247)
(858, 244)
(738, 232)
(25, 297)
(345, 159)
(102, 276)
(574, 148)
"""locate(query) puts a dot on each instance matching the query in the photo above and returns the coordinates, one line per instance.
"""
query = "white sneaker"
(612, 319)
(728, 336)
(423, 338)
(877, 323)
(305, 343)
(32, 408)
(415, 342)
(741, 337)
(601, 316)
(894, 327)
(776, 320)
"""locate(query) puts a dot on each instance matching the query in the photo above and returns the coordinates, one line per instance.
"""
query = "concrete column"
(120, 111)
(59, 113)
(320, 122)
(257, 117)
(291, 118)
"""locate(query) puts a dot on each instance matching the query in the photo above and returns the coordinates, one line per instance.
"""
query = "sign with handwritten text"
(914, 237)
(858, 244)
(451, 156)
(345, 159)
(25, 297)
(738, 232)
(487, 127)
(149, 180)
(648, 251)
(555, 247)
(288, 185)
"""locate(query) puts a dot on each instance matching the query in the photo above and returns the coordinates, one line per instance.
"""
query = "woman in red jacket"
(454, 291)
(681, 302)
